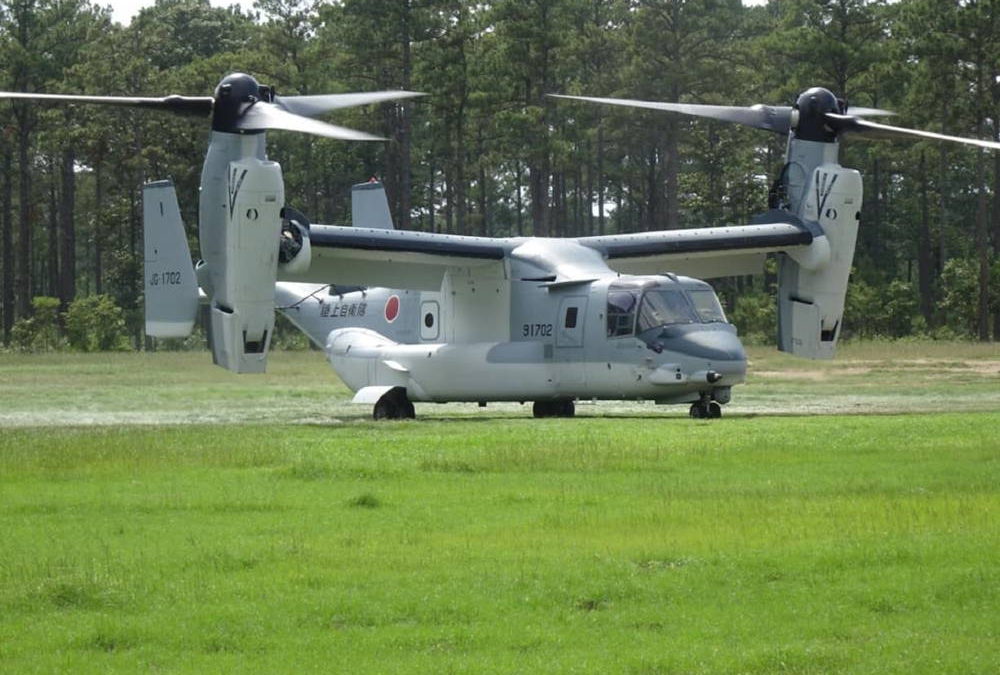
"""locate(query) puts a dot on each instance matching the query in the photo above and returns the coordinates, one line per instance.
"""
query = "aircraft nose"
(712, 345)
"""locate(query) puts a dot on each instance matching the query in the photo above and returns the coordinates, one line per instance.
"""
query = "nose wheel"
(557, 408)
(706, 410)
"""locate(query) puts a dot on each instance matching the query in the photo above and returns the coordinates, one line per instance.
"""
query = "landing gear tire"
(705, 410)
(394, 406)
(557, 408)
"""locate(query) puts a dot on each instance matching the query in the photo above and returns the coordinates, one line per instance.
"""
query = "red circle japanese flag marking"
(392, 308)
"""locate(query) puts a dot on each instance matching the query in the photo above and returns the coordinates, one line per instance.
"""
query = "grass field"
(300, 387)
(140, 530)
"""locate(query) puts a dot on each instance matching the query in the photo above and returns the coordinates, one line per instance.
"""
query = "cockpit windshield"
(664, 307)
(706, 303)
(634, 309)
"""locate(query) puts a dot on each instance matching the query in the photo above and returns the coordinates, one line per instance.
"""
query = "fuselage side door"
(570, 321)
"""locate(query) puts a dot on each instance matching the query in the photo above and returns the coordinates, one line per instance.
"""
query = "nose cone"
(711, 345)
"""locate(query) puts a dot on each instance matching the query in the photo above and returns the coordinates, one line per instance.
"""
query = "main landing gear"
(563, 407)
(394, 405)
(706, 409)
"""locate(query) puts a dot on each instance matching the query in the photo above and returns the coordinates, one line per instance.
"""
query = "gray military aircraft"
(408, 316)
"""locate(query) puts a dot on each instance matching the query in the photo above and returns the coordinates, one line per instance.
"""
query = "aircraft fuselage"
(601, 339)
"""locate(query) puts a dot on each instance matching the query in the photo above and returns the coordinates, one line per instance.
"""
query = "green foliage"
(891, 311)
(96, 324)
(196, 341)
(287, 337)
(488, 152)
(960, 294)
(39, 332)
(755, 316)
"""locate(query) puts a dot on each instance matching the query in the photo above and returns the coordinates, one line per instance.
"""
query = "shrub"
(960, 294)
(40, 332)
(755, 316)
(882, 311)
(96, 324)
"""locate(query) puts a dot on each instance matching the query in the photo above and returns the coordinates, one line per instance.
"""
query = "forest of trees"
(487, 153)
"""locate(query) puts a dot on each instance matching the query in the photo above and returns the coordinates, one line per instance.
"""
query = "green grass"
(750, 545)
(628, 540)
(300, 387)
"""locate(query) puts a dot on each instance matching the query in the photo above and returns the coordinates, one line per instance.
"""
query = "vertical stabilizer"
(171, 292)
(370, 207)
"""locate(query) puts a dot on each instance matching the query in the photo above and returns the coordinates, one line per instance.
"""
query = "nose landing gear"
(706, 409)
(558, 408)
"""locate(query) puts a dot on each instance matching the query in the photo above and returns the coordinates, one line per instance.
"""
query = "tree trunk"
(650, 222)
(557, 205)
(538, 184)
(22, 282)
(53, 239)
(7, 248)
(996, 226)
(577, 227)
(431, 201)
(619, 205)
(942, 208)
(405, 124)
(519, 200)
(67, 253)
(924, 260)
(98, 233)
(483, 192)
(875, 227)
(600, 178)
(390, 166)
(589, 201)
(982, 246)
(461, 208)
(135, 285)
(449, 200)
(671, 219)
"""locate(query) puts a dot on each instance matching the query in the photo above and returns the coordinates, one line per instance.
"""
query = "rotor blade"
(770, 118)
(869, 112)
(311, 106)
(263, 116)
(180, 104)
(847, 123)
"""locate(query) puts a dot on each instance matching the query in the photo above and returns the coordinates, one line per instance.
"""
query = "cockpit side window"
(621, 313)
(706, 303)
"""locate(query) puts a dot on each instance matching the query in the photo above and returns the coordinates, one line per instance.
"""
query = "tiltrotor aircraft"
(410, 316)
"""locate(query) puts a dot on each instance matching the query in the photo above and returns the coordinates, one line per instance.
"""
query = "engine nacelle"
(811, 292)
(239, 230)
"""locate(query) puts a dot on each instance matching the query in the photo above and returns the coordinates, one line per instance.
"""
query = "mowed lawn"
(492, 542)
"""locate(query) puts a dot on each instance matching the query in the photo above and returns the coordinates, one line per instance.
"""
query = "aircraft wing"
(395, 258)
(705, 253)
